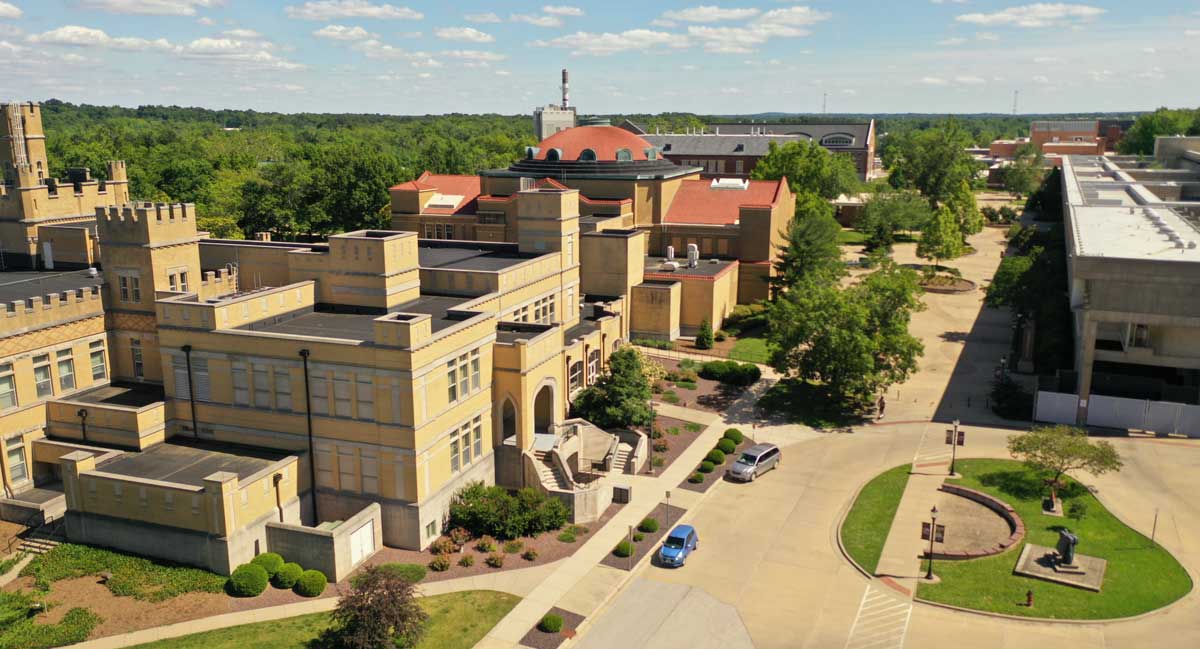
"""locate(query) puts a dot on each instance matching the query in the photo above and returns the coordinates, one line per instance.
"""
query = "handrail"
(30, 529)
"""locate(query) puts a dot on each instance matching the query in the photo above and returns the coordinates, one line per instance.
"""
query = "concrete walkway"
(517, 582)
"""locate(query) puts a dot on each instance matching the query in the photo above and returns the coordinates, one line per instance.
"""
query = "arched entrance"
(543, 410)
(508, 423)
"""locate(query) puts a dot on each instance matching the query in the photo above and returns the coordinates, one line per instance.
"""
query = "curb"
(837, 532)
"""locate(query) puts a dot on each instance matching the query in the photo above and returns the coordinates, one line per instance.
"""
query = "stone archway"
(543, 410)
(508, 422)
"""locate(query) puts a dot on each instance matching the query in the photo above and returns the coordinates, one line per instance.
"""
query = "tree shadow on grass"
(808, 404)
(1027, 485)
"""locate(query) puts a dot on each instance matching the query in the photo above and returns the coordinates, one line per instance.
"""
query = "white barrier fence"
(1119, 412)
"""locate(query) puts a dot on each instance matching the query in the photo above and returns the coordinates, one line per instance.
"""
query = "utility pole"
(824, 102)
(1016, 94)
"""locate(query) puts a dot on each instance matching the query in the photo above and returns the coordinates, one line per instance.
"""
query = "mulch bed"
(548, 547)
(676, 443)
(944, 284)
(718, 473)
(650, 542)
(539, 639)
(708, 395)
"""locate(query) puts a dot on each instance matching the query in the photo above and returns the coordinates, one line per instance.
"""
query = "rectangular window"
(341, 395)
(320, 395)
(429, 231)
(99, 371)
(183, 283)
(174, 285)
(475, 370)
(465, 442)
(124, 282)
(135, 286)
(452, 381)
(66, 371)
(241, 385)
(431, 529)
(8, 387)
(347, 476)
(324, 467)
(17, 470)
(179, 367)
(365, 389)
(41, 375)
(737, 166)
(283, 389)
(477, 436)
(262, 387)
(200, 374)
(464, 381)
(455, 460)
(135, 350)
(370, 471)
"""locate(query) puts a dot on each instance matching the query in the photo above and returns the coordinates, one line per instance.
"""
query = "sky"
(410, 57)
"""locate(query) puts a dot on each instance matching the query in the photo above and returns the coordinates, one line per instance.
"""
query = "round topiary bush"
(706, 467)
(551, 623)
(624, 549)
(648, 525)
(311, 583)
(287, 575)
(726, 446)
(735, 435)
(716, 456)
(566, 537)
(247, 580)
(270, 561)
(639, 537)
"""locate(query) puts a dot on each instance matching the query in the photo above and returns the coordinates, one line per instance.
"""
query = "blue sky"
(393, 56)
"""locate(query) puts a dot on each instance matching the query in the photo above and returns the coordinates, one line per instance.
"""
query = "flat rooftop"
(23, 285)
(360, 326)
(190, 461)
(706, 267)
(132, 395)
(468, 255)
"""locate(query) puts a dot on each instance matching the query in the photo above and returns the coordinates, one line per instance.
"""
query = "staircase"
(621, 458)
(44, 538)
(549, 474)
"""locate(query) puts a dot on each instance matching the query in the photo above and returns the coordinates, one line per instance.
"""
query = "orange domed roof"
(603, 141)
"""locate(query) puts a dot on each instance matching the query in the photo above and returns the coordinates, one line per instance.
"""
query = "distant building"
(733, 150)
(1055, 138)
(552, 118)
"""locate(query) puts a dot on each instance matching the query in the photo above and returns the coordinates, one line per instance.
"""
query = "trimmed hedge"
(648, 525)
(696, 478)
(705, 467)
(493, 511)
(247, 580)
(624, 549)
(287, 575)
(311, 583)
(551, 623)
(731, 372)
(734, 435)
(726, 446)
(270, 561)
(716, 456)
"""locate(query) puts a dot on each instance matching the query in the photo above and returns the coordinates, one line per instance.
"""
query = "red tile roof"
(450, 185)
(603, 140)
(697, 202)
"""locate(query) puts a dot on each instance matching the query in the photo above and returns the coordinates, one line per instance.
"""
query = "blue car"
(681, 542)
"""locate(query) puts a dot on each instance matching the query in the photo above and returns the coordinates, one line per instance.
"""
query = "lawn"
(1140, 577)
(132, 576)
(751, 349)
(18, 630)
(851, 238)
(870, 518)
(456, 621)
(807, 403)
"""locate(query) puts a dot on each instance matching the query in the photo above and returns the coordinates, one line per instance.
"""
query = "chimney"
(566, 100)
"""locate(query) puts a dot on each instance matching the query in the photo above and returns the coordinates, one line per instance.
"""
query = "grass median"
(866, 527)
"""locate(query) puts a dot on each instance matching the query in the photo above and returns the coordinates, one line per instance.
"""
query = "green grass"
(693, 427)
(670, 397)
(8, 563)
(456, 621)
(751, 349)
(807, 403)
(19, 631)
(686, 385)
(132, 576)
(851, 238)
(870, 518)
(1140, 576)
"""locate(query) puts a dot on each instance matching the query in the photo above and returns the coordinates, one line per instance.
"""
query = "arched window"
(587, 155)
(593, 366)
(575, 376)
(554, 155)
(531, 152)
(837, 139)
(624, 155)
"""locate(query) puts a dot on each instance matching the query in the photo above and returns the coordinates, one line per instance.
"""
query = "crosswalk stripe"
(881, 622)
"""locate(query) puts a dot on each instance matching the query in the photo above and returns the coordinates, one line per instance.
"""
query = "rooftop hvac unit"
(670, 253)
(670, 266)
(693, 255)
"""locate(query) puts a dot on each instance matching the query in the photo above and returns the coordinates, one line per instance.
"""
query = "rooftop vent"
(445, 201)
(730, 183)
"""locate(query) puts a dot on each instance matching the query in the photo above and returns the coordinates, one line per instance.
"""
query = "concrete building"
(1057, 138)
(552, 118)
(1134, 267)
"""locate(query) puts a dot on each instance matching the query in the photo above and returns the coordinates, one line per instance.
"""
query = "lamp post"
(82, 414)
(932, 531)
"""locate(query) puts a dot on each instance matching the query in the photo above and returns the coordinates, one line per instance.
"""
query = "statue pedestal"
(1069, 568)
(1041, 562)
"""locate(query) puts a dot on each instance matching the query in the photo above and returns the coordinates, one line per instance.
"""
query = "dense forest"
(311, 174)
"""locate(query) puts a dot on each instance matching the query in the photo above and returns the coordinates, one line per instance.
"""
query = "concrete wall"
(323, 549)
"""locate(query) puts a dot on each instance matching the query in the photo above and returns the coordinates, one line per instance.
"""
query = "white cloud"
(662, 22)
(331, 9)
(376, 49)
(1191, 32)
(463, 34)
(78, 36)
(1041, 78)
(795, 16)
(502, 73)
(206, 21)
(343, 33)
(248, 34)
(8, 49)
(604, 44)
(150, 7)
(9, 10)
(475, 58)
(956, 40)
(850, 91)
(689, 67)
(933, 81)
(1149, 50)
(562, 10)
(969, 79)
(1041, 14)
(710, 14)
(1153, 74)
(987, 36)
(425, 75)
(1100, 75)
(537, 21)
(235, 51)
(741, 40)
(488, 17)
(942, 2)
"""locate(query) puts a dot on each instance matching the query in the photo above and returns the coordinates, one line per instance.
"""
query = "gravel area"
(707, 395)
(538, 639)
(718, 473)
(678, 439)
(650, 542)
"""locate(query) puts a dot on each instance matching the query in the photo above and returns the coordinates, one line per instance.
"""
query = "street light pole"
(954, 447)
(933, 513)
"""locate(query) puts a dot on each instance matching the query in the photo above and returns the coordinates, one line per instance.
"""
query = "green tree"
(1139, 139)
(1024, 175)
(380, 610)
(704, 337)
(941, 237)
(811, 247)
(621, 397)
(933, 161)
(889, 212)
(962, 203)
(1055, 450)
(810, 168)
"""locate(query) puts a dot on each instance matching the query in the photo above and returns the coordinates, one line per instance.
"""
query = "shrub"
(467, 560)
(623, 549)
(270, 561)
(734, 435)
(1076, 510)
(656, 433)
(671, 397)
(132, 576)
(706, 467)
(551, 623)
(719, 335)
(443, 545)
(638, 537)
(513, 547)
(440, 563)
(493, 511)
(726, 446)
(696, 478)
(693, 427)
(661, 446)
(577, 530)
(287, 575)
(247, 580)
(459, 536)
(648, 525)
(530, 555)
(731, 372)
(311, 583)
(495, 560)
(1007, 214)
(704, 337)
(410, 572)
(716, 456)
(486, 544)
(566, 537)
(653, 343)
(658, 461)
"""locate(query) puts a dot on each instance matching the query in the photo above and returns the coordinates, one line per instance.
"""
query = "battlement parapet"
(52, 309)
(217, 283)
(146, 222)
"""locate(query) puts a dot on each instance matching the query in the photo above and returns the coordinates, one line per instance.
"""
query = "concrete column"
(1087, 357)
(220, 488)
(73, 465)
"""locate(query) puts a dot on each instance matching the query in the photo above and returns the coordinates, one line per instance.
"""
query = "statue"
(1066, 547)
